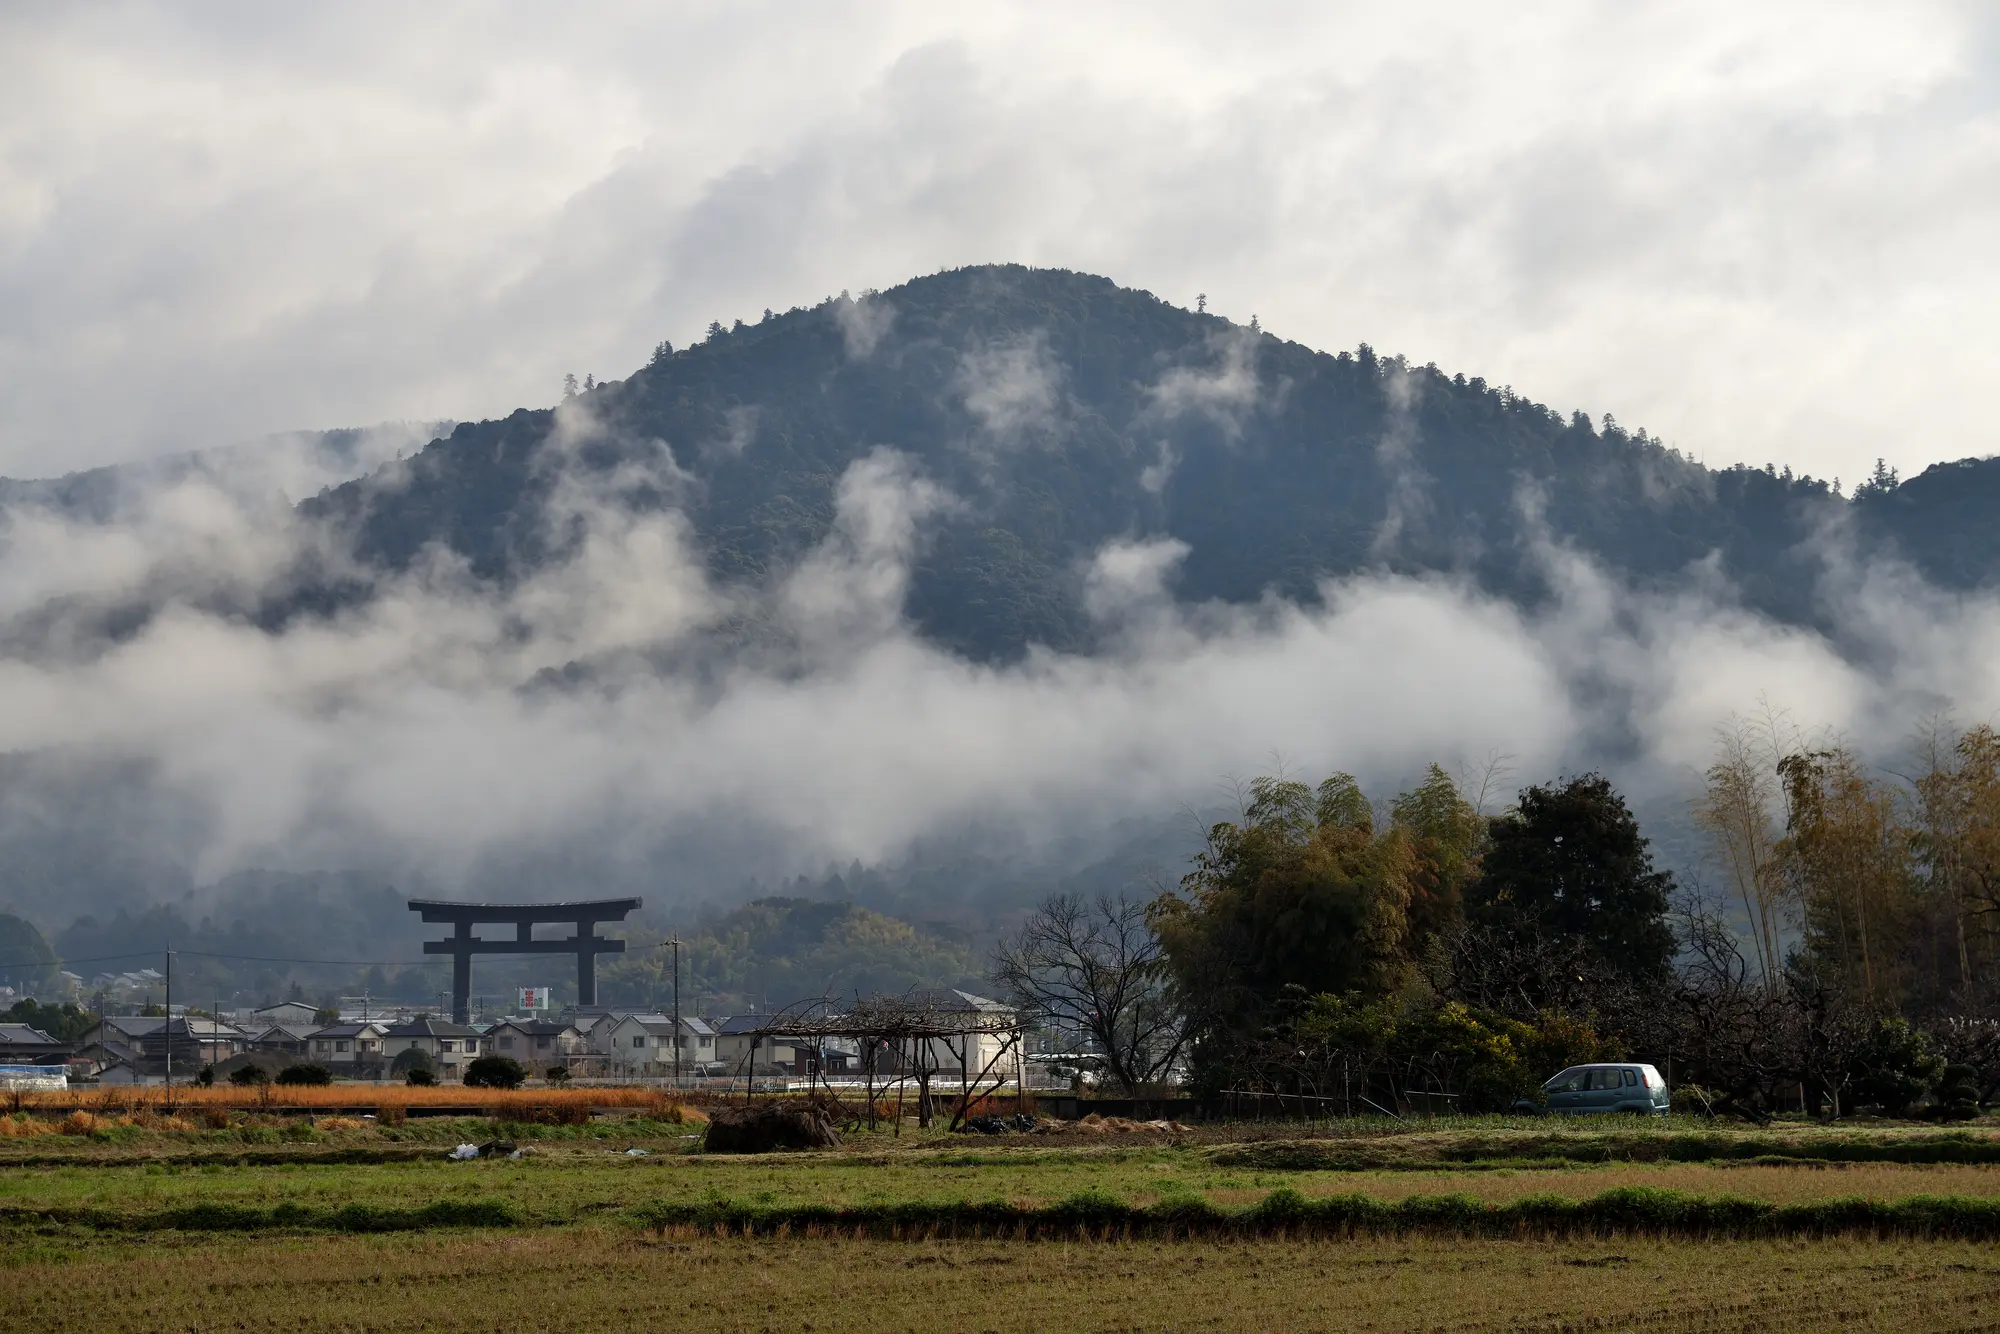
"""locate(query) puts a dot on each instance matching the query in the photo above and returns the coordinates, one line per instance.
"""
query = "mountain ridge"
(1065, 412)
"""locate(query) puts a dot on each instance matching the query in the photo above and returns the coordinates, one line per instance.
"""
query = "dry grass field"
(567, 1181)
(92, 1219)
(189, 1101)
(603, 1279)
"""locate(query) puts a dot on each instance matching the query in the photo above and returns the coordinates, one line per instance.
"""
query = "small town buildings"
(143, 1043)
(354, 1049)
(452, 1046)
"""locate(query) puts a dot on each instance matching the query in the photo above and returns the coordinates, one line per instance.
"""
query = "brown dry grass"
(129, 1100)
(587, 1279)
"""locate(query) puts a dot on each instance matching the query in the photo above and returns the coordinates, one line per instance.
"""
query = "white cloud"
(1760, 231)
(1012, 389)
(617, 705)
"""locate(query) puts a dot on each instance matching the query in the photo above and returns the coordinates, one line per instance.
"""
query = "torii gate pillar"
(524, 917)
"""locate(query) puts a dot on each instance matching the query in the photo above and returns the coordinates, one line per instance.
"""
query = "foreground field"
(606, 1279)
(333, 1224)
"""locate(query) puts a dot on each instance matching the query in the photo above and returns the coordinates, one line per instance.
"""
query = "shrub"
(1895, 1067)
(495, 1072)
(305, 1074)
(243, 1076)
(421, 1077)
(557, 1074)
(1957, 1093)
(81, 1122)
(413, 1058)
(205, 1077)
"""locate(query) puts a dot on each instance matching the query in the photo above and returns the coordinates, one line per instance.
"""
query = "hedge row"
(1633, 1210)
(1630, 1211)
(1474, 1151)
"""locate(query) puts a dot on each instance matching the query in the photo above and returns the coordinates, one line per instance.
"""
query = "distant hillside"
(1065, 411)
(774, 951)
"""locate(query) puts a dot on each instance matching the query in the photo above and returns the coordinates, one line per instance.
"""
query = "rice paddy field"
(253, 1221)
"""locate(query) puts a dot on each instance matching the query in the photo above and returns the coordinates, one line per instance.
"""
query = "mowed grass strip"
(590, 1279)
(1777, 1184)
(1474, 1147)
(568, 1183)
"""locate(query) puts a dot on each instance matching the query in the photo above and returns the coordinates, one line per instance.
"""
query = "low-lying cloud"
(621, 715)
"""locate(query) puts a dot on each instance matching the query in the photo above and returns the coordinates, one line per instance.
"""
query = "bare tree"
(1097, 968)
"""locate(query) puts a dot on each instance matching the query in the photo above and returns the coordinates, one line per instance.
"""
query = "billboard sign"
(534, 998)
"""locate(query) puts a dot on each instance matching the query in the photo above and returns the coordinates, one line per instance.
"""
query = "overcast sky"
(1765, 232)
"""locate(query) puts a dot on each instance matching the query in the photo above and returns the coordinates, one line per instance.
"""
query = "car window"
(1603, 1079)
(1569, 1081)
(1631, 1078)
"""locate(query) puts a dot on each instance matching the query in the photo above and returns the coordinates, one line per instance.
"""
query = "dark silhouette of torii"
(525, 916)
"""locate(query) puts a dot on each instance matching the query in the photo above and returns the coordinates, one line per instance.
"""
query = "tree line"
(1336, 954)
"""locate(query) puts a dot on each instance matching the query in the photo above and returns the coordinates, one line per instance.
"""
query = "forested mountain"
(1057, 412)
(1064, 411)
(772, 952)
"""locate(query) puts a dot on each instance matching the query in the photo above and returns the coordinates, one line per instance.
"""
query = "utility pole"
(167, 1024)
(679, 1037)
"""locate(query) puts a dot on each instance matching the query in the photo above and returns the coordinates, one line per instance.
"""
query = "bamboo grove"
(1838, 948)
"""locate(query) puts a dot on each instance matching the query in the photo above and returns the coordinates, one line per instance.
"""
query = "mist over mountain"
(986, 584)
(1063, 412)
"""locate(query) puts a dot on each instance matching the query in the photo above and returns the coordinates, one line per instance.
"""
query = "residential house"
(354, 1050)
(775, 1053)
(292, 1039)
(143, 1042)
(643, 1045)
(23, 1045)
(596, 1024)
(537, 1043)
(291, 1013)
(451, 1046)
(995, 1051)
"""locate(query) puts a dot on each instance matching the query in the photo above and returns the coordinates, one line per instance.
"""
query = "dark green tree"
(64, 1022)
(1569, 861)
(26, 961)
(305, 1074)
(495, 1072)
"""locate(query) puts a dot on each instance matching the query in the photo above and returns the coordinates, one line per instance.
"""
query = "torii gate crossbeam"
(524, 917)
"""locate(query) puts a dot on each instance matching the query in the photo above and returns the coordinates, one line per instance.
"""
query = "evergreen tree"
(1569, 860)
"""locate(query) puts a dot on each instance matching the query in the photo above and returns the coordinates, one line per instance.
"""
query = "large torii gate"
(525, 916)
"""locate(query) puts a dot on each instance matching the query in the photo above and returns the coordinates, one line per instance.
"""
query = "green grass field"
(1469, 1230)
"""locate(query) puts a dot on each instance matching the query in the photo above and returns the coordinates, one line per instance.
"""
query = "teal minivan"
(1605, 1088)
